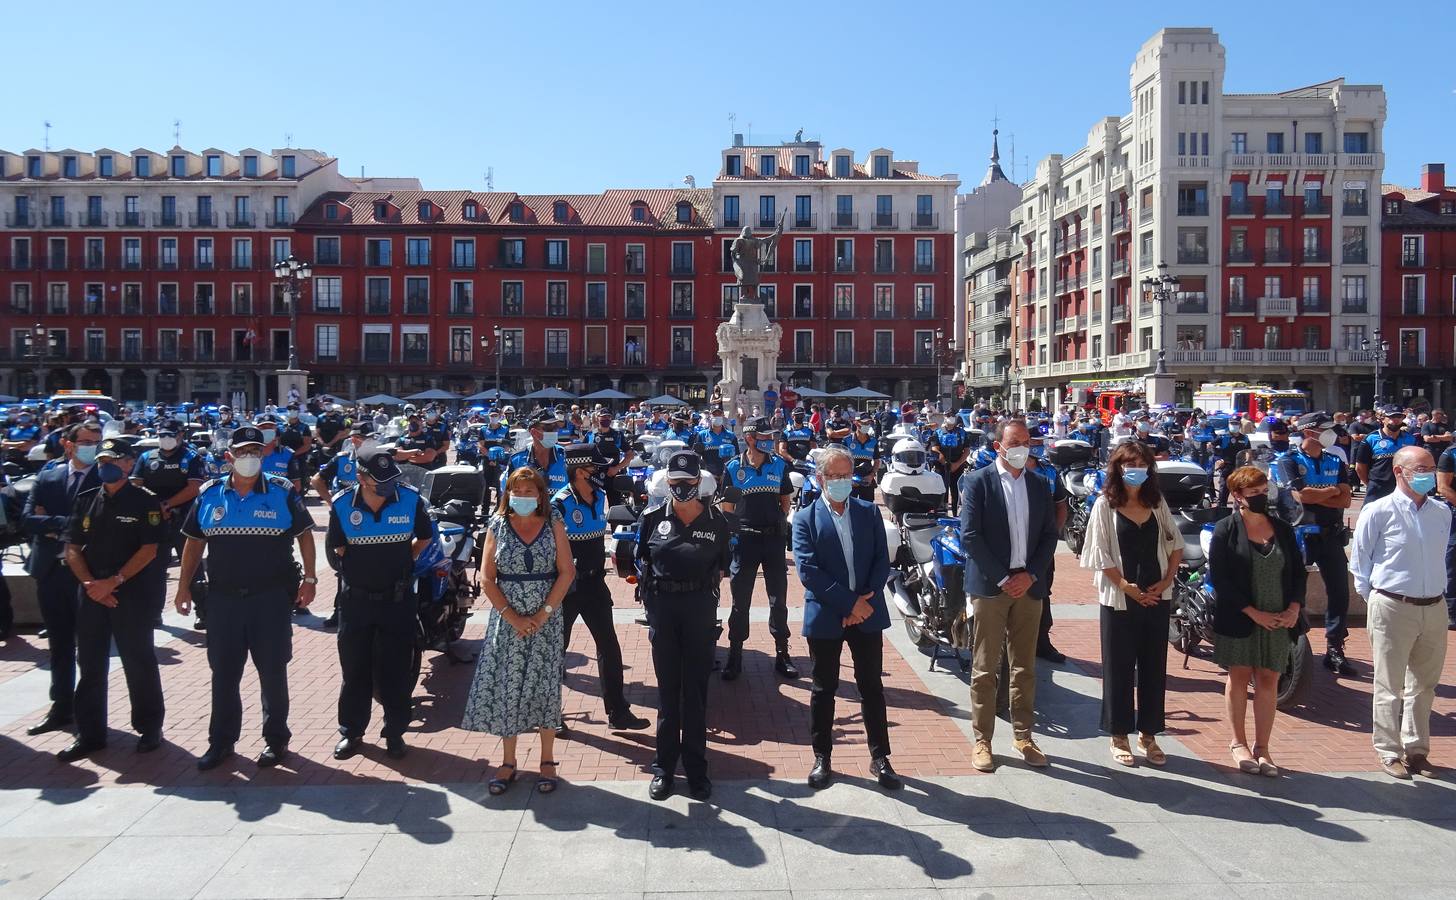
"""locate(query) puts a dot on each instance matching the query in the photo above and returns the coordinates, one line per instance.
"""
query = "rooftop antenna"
(1013, 158)
(288, 139)
(176, 132)
(733, 119)
(690, 181)
(490, 178)
(47, 134)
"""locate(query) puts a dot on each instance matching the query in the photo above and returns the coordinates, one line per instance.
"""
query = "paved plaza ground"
(120, 825)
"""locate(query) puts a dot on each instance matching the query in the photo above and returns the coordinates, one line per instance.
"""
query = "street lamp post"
(1377, 351)
(941, 352)
(292, 273)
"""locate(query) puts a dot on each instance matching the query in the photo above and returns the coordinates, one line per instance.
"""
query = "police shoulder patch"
(217, 513)
(577, 517)
(154, 518)
(356, 518)
(664, 527)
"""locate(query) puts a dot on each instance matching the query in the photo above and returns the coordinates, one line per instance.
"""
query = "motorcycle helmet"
(908, 457)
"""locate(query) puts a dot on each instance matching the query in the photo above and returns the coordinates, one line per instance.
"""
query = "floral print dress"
(517, 684)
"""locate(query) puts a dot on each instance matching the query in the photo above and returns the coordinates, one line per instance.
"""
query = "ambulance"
(1252, 401)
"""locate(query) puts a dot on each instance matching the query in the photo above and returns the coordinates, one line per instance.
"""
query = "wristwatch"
(309, 579)
(120, 579)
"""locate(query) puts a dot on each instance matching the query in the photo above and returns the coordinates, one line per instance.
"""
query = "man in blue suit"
(844, 562)
(1009, 534)
(47, 512)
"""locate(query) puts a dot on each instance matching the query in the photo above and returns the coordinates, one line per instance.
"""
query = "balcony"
(1413, 306)
(1192, 302)
(202, 220)
(1241, 306)
(1355, 307)
(681, 268)
(924, 266)
(91, 219)
(1411, 358)
(1096, 318)
(20, 220)
(993, 287)
(681, 311)
(885, 221)
(1318, 207)
(681, 359)
(510, 261)
(991, 349)
(806, 222)
(1309, 306)
(1145, 310)
(279, 220)
(768, 220)
(1273, 356)
(129, 219)
(1276, 206)
(1412, 260)
(1240, 207)
(1193, 209)
(1276, 255)
(844, 220)
(1356, 209)
(457, 264)
(1314, 255)
(1119, 222)
(417, 305)
(1119, 268)
(922, 220)
(1240, 255)
(884, 266)
(1355, 256)
(462, 306)
(1278, 306)
(1193, 256)
(1145, 215)
(169, 219)
(57, 263)
(242, 220)
(732, 221)
(843, 266)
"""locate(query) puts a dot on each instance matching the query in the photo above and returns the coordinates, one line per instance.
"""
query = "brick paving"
(759, 726)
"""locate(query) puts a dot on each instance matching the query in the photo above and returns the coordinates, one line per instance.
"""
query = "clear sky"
(572, 96)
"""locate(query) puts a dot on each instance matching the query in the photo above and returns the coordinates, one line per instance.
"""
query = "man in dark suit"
(844, 562)
(47, 512)
(1007, 574)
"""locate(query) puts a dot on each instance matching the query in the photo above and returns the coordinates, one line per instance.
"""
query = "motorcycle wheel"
(1294, 684)
(1181, 635)
(917, 634)
(1075, 538)
(457, 625)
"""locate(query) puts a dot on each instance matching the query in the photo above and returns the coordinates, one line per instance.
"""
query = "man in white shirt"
(1398, 559)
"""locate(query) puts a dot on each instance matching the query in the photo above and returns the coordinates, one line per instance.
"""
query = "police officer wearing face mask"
(278, 461)
(247, 523)
(112, 539)
(756, 490)
(1320, 482)
(863, 446)
(544, 455)
(1373, 455)
(582, 505)
(950, 443)
(418, 445)
(340, 473)
(682, 555)
(175, 473)
(438, 429)
(709, 442)
(376, 529)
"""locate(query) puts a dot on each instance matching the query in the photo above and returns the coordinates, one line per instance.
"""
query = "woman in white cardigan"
(1135, 547)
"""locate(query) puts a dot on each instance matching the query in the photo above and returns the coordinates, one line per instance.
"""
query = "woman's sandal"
(1266, 765)
(497, 786)
(547, 785)
(1246, 763)
(1122, 752)
(1152, 751)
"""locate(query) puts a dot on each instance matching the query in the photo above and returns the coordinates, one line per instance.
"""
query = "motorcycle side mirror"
(620, 515)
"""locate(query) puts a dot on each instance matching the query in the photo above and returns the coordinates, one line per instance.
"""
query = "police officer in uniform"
(247, 522)
(951, 442)
(1320, 482)
(175, 473)
(863, 445)
(615, 447)
(756, 489)
(418, 446)
(436, 427)
(582, 505)
(495, 432)
(1229, 441)
(112, 539)
(1373, 455)
(278, 461)
(682, 555)
(709, 442)
(544, 455)
(377, 527)
(341, 473)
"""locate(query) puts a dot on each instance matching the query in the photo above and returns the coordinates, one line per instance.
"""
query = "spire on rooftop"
(993, 172)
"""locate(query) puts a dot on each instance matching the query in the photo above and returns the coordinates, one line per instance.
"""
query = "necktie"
(75, 484)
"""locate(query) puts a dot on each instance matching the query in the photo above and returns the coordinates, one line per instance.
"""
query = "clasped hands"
(103, 591)
(862, 611)
(525, 626)
(1151, 596)
(1272, 621)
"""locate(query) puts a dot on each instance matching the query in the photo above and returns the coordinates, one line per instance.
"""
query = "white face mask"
(247, 466)
(167, 443)
(1016, 456)
(717, 421)
(268, 435)
(368, 446)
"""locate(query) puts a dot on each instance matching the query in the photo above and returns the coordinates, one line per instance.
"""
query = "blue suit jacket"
(987, 541)
(50, 494)
(825, 572)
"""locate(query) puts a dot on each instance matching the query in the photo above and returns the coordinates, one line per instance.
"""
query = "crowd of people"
(104, 520)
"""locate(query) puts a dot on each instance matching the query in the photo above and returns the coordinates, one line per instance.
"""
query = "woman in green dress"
(1258, 578)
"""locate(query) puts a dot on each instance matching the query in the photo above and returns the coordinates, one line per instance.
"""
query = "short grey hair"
(829, 455)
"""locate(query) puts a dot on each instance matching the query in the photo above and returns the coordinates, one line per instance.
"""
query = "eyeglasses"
(1419, 470)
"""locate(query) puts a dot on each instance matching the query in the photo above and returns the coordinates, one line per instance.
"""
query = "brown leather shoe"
(981, 758)
(1395, 768)
(1031, 753)
(1421, 765)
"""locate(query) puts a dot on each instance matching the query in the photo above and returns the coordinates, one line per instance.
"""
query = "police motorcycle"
(1191, 623)
(447, 571)
(1076, 464)
(801, 467)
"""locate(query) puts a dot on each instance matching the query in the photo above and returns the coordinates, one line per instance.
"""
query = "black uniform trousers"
(241, 625)
(7, 612)
(376, 654)
(866, 649)
(129, 623)
(1044, 632)
(1451, 574)
(683, 631)
(1327, 550)
(750, 553)
(1134, 665)
(56, 592)
(591, 601)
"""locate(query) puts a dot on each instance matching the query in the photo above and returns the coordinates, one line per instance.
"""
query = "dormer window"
(424, 210)
(250, 166)
(684, 212)
(68, 167)
(560, 212)
(882, 166)
(639, 211)
(842, 166)
(381, 210)
(179, 167)
(143, 167)
(331, 211)
(1392, 207)
(32, 167)
(518, 211)
(469, 210)
(1448, 207)
(214, 166)
(768, 165)
(289, 166)
(735, 165)
(801, 165)
(106, 166)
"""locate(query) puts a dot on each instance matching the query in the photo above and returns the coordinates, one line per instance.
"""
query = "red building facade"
(1418, 318)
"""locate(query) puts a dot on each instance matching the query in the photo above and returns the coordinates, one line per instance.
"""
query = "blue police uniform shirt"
(712, 440)
(249, 536)
(1298, 470)
(984, 457)
(656, 425)
(279, 463)
(586, 526)
(567, 429)
(498, 433)
(755, 492)
(952, 441)
(23, 433)
(861, 449)
(1378, 452)
(340, 471)
(388, 534)
(555, 473)
(804, 432)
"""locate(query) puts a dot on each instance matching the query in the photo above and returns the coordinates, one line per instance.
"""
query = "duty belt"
(1413, 601)
(393, 592)
(766, 530)
(670, 586)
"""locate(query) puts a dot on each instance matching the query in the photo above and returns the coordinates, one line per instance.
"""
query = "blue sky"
(581, 96)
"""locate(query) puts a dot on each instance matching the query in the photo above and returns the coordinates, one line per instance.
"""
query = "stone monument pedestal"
(292, 380)
(1159, 389)
(748, 345)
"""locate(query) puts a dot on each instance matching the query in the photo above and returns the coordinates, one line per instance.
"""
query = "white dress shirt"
(844, 527)
(1400, 547)
(1013, 489)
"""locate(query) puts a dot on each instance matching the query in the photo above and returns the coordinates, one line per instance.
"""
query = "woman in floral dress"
(527, 571)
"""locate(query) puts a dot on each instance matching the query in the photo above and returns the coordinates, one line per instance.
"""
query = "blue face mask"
(1423, 483)
(839, 489)
(523, 506)
(548, 439)
(111, 473)
(86, 454)
(387, 489)
(1134, 477)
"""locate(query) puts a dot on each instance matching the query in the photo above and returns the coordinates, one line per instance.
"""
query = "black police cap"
(116, 448)
(246, 435)
(684, 464)
(543, 417)
(1315, 421)
(758, 425)
(578, 455)
(379, 465)
(1391, 409)
(1279, 425)
(363, 428)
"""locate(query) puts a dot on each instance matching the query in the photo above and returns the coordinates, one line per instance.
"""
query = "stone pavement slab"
(150, 867)
(31, 867)
(292, 866)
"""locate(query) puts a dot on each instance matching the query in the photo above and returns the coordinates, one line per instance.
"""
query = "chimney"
(1433, 177)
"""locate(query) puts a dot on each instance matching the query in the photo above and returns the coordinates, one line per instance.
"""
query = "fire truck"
(1108, 396)
(1253, 401)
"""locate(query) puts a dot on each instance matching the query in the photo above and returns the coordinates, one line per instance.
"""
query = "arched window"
(425, 209)
(518, 211)
(560, 211)
(684, 212)
(639, 211)
(469, 210)
(381, 210)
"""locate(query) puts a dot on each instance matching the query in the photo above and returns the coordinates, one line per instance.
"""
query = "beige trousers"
(1012, 622)
(1408, 644)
